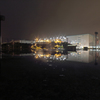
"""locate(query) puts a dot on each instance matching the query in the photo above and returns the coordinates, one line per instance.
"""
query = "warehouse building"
(82, 40)
(24, 41)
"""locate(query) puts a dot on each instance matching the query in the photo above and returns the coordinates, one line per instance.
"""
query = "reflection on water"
(56, 74)
(78, 56)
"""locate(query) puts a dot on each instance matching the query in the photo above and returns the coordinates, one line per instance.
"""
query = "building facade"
(23, 41)
(83, 40)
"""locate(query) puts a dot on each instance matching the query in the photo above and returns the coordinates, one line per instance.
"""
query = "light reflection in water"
(78, 56)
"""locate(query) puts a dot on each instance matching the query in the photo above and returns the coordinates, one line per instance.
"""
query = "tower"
(96, 39)
(2, 18)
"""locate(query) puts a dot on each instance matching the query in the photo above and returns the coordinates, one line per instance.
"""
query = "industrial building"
(80, 41)
(23, 41)
(17, 45)
(83, 40)
(72, 42)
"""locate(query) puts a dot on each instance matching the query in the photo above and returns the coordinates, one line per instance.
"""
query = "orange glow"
(57, 55)
(36, 56)
(57, 51)
(32, 50)
(41, 41)
(57, 41)
(48, 55)
(36, 40)
(47, 41)
(41, 55)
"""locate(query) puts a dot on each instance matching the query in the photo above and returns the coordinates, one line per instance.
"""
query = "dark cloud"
(26, 19)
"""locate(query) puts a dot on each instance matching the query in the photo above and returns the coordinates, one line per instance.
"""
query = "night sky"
(27, 19)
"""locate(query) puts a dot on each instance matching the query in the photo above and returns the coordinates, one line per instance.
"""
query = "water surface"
(51, 75)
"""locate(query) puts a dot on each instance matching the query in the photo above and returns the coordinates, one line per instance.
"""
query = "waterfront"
(45, 76)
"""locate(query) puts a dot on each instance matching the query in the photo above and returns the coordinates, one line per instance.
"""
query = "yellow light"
(48, 55)
(41, 40)
(41, 55)
(32, 50)
(57, 55)
(36, 56)
(57, 51)
(47, 41)
(57, 41)
(36, 39)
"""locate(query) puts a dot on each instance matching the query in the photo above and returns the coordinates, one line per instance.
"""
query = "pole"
(2, 18)
(0, 34)
(96, 39)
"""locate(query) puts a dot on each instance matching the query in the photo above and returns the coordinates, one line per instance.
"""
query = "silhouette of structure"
(96, 39)
(2, 18)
